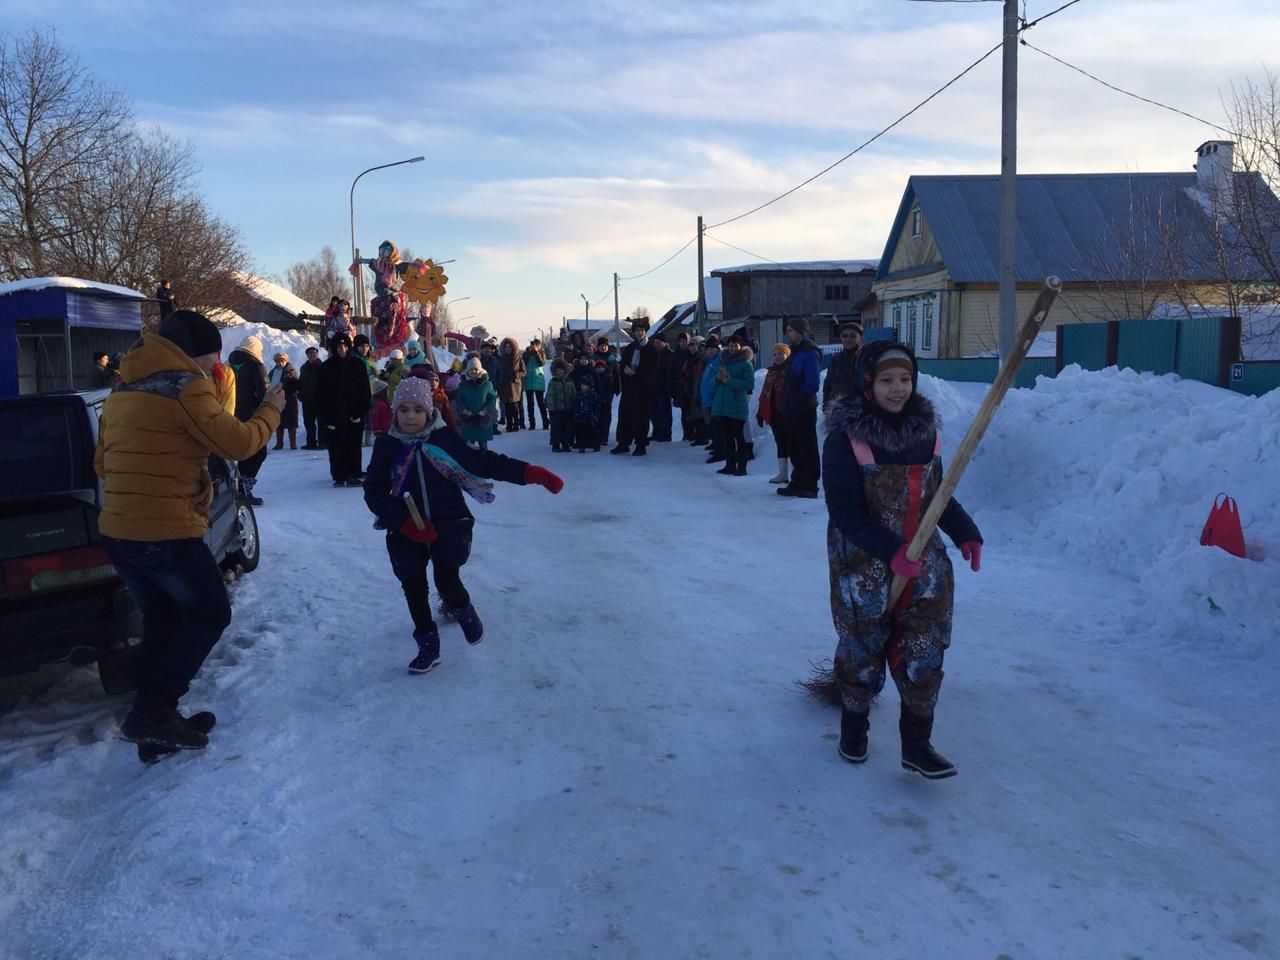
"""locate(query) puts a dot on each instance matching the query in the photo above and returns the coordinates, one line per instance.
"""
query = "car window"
(43, 449)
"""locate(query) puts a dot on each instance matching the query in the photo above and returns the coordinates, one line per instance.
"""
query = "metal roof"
(1081, 227)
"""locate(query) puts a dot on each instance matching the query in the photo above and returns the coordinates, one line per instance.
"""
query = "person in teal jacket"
(535, 381)
(707, 393)
(734, 381)
(477, 403)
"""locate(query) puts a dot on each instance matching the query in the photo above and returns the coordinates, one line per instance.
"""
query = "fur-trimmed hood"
(743, 353)
(851, 415)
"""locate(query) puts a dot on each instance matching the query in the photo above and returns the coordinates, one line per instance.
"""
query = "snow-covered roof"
(70, 283)
(801, 266)
(273, 293)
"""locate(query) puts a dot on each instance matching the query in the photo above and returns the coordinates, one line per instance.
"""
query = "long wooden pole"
(969, 445)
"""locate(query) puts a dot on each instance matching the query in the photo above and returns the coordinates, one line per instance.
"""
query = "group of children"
(580, 402)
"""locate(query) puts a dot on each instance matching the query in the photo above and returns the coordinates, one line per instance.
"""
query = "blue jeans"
(177, 586)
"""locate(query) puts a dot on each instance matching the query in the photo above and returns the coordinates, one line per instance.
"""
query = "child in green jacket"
(561, 398)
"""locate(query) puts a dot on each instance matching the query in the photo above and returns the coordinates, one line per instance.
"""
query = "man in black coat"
(251, 390)
(800, 408)
(639, 375)
(679, 360)
(660, 404)
(841, 379)
(343, 395)
(308, 393)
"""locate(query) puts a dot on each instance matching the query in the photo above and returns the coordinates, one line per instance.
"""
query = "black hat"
(848, 325)
(642, 322)
(194, 333)
(342, 337)
(360, 340)
(882, 354)
(799, 324)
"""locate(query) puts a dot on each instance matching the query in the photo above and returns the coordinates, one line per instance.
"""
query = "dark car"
(60, 598)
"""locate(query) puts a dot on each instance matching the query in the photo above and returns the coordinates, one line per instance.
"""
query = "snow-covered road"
(624, 767)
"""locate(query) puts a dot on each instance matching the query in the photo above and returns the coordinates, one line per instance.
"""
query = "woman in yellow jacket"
(158, 427)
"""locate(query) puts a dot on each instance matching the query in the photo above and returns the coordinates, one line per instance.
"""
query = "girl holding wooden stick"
(881, 467)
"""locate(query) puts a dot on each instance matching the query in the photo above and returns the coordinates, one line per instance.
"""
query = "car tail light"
(48, 572)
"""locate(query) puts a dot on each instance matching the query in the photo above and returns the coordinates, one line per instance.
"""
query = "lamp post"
(586, 320)
(352, 203)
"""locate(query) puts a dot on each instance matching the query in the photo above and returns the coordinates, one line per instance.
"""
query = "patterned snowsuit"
(911, 640)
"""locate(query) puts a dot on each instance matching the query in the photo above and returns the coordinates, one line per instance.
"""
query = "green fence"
(1205, 349)
(1256, 377)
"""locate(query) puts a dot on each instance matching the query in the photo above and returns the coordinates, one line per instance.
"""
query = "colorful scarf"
(417, 447)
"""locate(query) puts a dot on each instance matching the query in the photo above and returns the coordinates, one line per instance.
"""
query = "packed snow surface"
(624, 767)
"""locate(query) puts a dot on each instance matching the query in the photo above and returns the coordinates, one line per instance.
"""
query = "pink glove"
(972, 551)
(902, 567)
(543, 477)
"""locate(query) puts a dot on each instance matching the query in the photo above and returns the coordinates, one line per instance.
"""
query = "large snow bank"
(1120, 469)
(292, 342)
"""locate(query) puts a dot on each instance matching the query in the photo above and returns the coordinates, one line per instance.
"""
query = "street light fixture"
(352, 203)
(586, 320)
(455, 300)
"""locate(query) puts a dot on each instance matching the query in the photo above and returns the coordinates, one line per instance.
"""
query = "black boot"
(917, 753)
(853, 735)
(164, 728)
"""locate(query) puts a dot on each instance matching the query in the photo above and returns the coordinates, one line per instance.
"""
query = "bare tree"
(58, 125)
(318, 279)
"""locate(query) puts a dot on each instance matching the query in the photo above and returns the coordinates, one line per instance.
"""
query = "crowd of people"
(431, 429)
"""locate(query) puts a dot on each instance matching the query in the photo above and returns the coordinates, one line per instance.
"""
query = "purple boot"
(469, 620)
(428, 650)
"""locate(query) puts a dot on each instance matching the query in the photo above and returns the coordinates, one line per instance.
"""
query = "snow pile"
(292, 342)
(1120, 469)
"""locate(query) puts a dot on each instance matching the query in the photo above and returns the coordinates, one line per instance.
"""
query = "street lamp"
(352, 202)
(586, 320)
(455, 300)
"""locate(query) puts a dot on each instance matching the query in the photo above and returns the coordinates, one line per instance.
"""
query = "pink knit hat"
(413, 390)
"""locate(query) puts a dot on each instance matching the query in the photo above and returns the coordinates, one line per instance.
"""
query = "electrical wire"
(741, 249)
(862, 146)
(1028, 24)
(649, 293)
(1127, 93)
(688, 244)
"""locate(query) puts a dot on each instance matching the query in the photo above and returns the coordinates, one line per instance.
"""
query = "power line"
(647, 293)
(1127, 93)
(741, 249)
(688, 244)
(1028, 24)
(866, 143)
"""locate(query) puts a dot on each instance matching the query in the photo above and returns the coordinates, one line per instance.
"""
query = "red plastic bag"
(1222, 529)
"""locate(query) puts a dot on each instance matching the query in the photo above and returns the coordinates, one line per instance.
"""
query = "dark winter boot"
(248, 483)
(917, 752)
(621, 448)
(428, 650)
(162, 727)
(469, 620)
(853, 735)
(751, 450)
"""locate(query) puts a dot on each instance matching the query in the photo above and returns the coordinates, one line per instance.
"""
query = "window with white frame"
(913, 323)
(897, 322)
(926, 336)
(917, 222)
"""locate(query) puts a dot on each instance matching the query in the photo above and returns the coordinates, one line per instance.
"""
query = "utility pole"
(1009, 181)
(615, 301)
(702, 295)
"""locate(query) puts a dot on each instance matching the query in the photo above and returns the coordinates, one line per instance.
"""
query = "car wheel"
(246, 558)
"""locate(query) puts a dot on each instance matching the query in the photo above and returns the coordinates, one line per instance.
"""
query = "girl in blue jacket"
(425, 462)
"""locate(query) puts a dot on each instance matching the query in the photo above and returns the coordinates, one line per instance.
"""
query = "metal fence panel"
(968, 370)
(1033, 367)
(1199, 349)
(1260, 376)
(1084, 344)
(1148, 346)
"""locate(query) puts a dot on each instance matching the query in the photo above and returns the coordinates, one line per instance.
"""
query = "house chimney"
(1215, 172)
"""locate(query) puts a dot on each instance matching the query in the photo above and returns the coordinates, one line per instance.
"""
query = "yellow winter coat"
(156, 433)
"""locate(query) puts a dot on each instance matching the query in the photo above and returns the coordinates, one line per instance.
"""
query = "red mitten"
(972, 551)
(543, 477)
(426, 535)
(902, 567)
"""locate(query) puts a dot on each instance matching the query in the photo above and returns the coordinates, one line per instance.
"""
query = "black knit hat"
(193, 333)
(361, 339)
(799, 324)
(881, 354)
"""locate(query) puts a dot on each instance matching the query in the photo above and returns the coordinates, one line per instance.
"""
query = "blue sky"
(565, 141)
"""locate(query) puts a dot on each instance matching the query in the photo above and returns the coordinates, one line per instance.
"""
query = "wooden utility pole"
(1009, 181)
(702, 296)
(615, 300)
